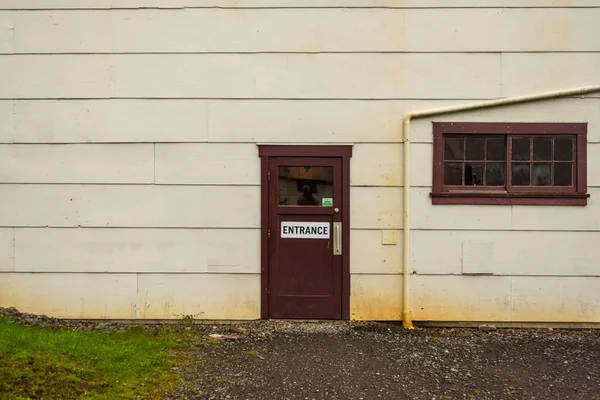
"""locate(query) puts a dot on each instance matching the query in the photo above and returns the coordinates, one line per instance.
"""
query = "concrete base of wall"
(418, 324)
(502, 325)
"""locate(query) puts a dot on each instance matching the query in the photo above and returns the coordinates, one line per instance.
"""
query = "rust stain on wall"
(396, 29)
(376, 306)
(554, 33)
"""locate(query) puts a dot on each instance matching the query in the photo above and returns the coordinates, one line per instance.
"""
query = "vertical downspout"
(406, 311)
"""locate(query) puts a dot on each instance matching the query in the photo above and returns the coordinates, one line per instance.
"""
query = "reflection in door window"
(305, 186)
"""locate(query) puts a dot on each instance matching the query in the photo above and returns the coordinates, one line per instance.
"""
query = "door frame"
(320, 151)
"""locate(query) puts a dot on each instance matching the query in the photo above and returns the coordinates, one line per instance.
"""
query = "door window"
(305, 186)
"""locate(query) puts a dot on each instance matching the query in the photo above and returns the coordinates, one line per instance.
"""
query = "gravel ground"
(344, 360)
(350, 360)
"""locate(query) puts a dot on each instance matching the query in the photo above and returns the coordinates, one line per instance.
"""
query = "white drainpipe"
(406, 312)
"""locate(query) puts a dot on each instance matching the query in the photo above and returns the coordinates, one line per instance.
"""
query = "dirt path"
(281, 360)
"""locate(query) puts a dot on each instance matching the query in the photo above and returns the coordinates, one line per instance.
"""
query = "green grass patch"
(46, 363)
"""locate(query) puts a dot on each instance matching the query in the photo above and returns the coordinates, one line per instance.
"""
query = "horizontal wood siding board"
(559, 71)
(136, 250)
(258, 121)
(298, 30)
(251, 76)
(515, 253)
(108, 4)
(376, 297)
(307, 76)
(376, 208)
(207, 163)
(7, 249)
(371, 256)
(549, 299)
(90, 296)
(205, 296)
(129, 206)
(77, 163)
(293, 76)
(130, 296)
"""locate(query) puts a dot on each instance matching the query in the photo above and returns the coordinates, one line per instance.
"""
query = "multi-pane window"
(474, 160)
(484, 162)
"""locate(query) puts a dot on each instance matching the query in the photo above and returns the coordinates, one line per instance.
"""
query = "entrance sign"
(305, 230)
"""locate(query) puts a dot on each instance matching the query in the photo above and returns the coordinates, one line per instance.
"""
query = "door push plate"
(337, 238)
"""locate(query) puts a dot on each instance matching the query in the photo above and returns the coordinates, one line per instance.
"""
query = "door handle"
(337, 238)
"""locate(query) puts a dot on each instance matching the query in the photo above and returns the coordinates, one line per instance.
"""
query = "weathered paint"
(506, 298)
(376, 165)
(7, 249)
(301, 30)
(77, 163)
(375, 208)
(370, 256)
(94, 296)
(6, 32)
(130, 206)
(123, 250)
(204, 296)
(262, 121)
(524, 253)
(375, 297)
(150, 205)
(99, 4)
(294, 76)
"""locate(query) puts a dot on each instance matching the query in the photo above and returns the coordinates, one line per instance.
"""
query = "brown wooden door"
(305, 216)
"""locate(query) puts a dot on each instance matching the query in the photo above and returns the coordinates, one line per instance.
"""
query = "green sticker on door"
(327, 201)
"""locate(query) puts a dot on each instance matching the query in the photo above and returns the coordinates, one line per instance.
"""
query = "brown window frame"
(508, 194)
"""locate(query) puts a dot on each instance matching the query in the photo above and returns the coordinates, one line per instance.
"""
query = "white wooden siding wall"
(129, 168)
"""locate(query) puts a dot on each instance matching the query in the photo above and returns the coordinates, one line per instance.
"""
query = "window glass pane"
(542, 149)
(454, 148)
(563, 174)
(453, 173)
(542, 174)
(563, 149)
(474, 174)
(521, 148)
(304, 186)
(496, 148)
(520, 174)
(495, 174)
(475, 148)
